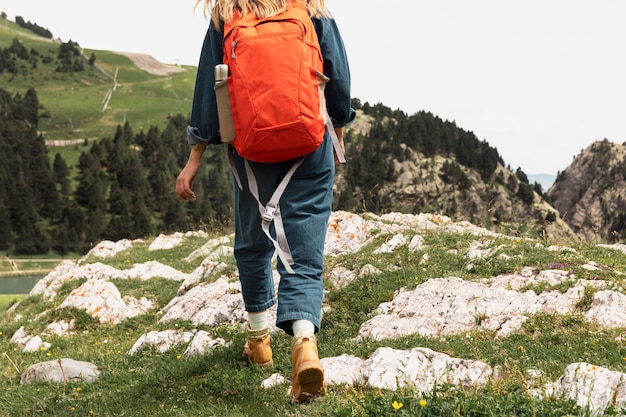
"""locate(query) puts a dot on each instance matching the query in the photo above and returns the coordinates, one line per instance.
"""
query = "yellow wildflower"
(423, 403)
(396, 405)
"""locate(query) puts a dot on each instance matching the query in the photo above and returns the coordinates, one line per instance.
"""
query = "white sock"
(304, 327)
(258, 321)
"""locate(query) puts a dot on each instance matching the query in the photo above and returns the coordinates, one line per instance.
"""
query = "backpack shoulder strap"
(271, 213)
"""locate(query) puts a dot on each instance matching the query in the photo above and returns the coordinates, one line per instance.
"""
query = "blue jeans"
(305, 208)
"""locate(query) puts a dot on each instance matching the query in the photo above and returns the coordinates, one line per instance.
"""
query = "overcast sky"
(539, 80)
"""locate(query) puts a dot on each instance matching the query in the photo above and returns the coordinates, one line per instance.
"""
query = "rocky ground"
(437, 307)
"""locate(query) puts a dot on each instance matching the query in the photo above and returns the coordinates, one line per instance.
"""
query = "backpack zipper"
(234, 44)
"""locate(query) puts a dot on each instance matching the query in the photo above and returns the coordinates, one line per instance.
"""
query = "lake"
(18, 284)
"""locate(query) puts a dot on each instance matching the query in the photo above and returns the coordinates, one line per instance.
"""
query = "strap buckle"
(269, 213)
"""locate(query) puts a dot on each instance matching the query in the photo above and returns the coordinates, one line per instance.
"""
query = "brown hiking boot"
(257, 348)
(307, 374)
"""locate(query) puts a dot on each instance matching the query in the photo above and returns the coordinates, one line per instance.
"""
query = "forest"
(125, 183)
(123, 186)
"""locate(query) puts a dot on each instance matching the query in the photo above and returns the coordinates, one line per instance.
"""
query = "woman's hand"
(184, 182)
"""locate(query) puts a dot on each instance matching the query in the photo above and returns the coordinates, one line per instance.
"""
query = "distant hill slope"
(151, 65)
(590, 193)
(86, 94)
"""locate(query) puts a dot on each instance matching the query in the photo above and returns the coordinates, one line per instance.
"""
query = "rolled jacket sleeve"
(336, 68)
(204, 126)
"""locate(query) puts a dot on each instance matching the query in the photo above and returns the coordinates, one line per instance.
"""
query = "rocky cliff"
(590, 194)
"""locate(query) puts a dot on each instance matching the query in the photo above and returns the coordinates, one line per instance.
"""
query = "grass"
(223, 383)
(7, 300)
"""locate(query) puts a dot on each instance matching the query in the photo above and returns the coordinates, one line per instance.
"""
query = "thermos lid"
(221, 72)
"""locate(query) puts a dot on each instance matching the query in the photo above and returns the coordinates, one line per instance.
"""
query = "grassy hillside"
(72, 103)
(221, 383)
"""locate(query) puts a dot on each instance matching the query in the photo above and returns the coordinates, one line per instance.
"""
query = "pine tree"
(61, 175)
(5, 227)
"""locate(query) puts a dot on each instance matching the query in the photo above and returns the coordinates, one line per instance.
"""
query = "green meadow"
(222, 383)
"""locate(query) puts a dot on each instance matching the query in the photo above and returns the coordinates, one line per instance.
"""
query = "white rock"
(424, 221)
(592, 386)
(608, 309)
(35, 344)
(101, 299)
(480, 249)
(557, 248)
(202, 343)
(417, 243)
(344, 369)
(60, 328)
(208, 248)
(206, 269)
(452, 305)
(161, 341)
(107, 248)
(369, 270)
(68, 271)
(348, 233)
(163, 241)
(61, 371)
(21, 336)
(221, 252)
(591, 266)
(273, 380)
(212, 304)
(340, 277)
(391, 369)
(392, 244)
(152, 269)
(619, 247)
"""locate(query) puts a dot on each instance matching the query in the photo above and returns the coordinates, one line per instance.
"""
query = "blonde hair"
(222, 10)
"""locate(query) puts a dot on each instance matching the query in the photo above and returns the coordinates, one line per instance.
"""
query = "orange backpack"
(276, 86)
(273, 85)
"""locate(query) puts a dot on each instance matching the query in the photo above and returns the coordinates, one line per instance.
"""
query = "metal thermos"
(224, 110)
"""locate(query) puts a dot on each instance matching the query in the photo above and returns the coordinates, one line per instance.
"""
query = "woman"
(305, 205)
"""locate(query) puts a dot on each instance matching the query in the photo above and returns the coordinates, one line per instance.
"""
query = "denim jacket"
(204, 126)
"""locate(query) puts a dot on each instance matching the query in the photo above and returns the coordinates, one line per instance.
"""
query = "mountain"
(590, 194)
(421, 163)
